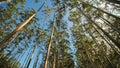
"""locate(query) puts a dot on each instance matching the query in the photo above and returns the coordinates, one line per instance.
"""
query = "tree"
(4, 63)
(5, 0)
(114, 1)
(76, 33)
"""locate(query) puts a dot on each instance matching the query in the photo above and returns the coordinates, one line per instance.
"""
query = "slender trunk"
(18, 58)
(114, 1)
(10, 41)
(86, 51)
(36, 60)
(91, 21)
(97, 56)
(15, 62)
(10, 51)
(88, 55)
(31, 56)
(35, 45)
(2, 49)
(110, 44)
(57, 59)
(109, 24)
(101, 10)
(94, 49)
(17, 29)
(92, 35)
(49, 47)
(113, 40)
(27, 58)
(54, 61)
(100, 48)
(103, 52)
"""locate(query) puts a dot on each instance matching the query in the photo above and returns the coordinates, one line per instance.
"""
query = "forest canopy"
(60, 33)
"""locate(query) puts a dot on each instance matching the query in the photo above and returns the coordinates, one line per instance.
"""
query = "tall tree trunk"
(109, 24)
(88, 56)
(31, 56)
(90, 33)
(27, 58)
(103, 52)
(100, 48)
(114, 1)
(37, 59)
(16, 30)
(49, 47)
(109, 43)
(54, 61)
(93, 37)
(89, 46)
(96, 53)
(91, 21)
(20, 27)
(2, 49)
(113, 40)
(35, 45)
(101, 10)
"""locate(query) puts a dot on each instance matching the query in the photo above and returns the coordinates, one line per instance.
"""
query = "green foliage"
(4, 63)
(95, 34)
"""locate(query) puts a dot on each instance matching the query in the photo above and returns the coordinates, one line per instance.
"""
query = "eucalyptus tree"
(59, 55)
(85, 12)
(11, 20)
(95, 34)
(7, 64)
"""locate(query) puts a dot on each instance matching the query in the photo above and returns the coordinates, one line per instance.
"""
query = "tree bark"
(114, 1)
(113, 40)
(20, 27)
(101, 10)
(100, 48)
(109, 24)
(49, 47)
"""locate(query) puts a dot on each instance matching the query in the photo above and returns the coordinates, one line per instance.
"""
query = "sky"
(24, 55)
(40, 15)
(36, 6)
(43, 24)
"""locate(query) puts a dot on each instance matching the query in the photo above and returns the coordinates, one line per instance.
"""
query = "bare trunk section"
(54, 61)
(49, 47)
(17, 29)
(31, 56)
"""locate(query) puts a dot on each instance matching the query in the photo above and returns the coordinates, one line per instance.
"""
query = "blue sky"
(43, 23)
(40, 15)
(36, 6)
